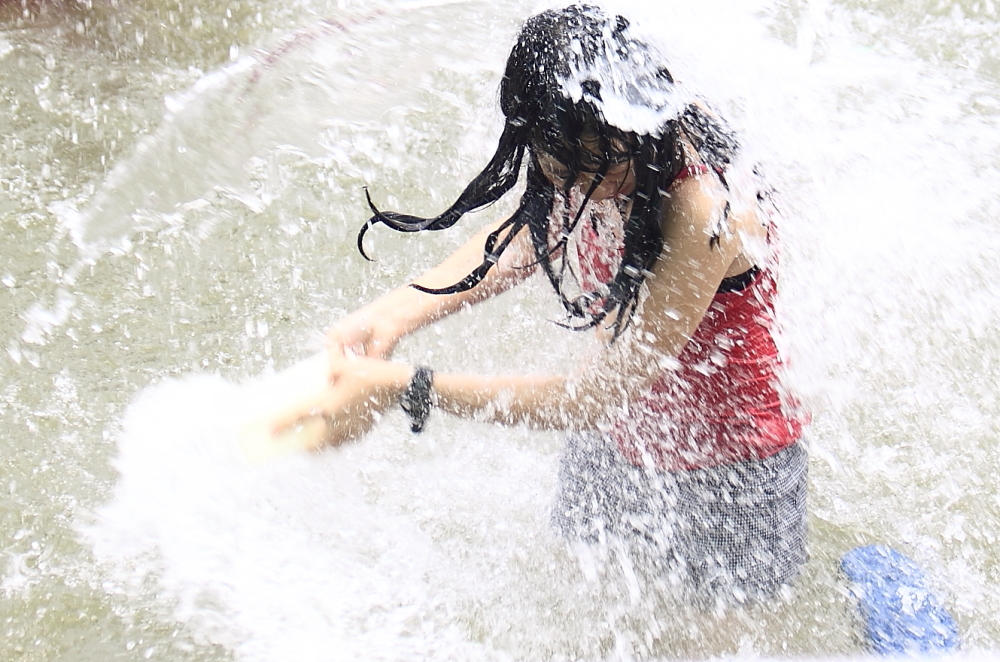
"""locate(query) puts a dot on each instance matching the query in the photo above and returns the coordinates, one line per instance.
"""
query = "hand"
(364, 332)
(360, 389)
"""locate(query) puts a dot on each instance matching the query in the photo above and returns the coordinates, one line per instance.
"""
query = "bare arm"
(375, 329)
(680, 289)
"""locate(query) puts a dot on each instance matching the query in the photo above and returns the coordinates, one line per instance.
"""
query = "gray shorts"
(728, 535)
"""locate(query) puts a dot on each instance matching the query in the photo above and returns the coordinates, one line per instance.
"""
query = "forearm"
(589, 399)
(546, 402)
(409, 309)
(539, 401)
(550, 402)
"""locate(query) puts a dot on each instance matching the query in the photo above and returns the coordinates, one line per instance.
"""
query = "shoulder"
(698, 199)
(714, 201)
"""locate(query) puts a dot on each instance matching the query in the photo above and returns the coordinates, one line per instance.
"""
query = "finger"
(345, 335)
(337, 365)
(346, 428)
(335, 346)
(379, 349)
(335, 361)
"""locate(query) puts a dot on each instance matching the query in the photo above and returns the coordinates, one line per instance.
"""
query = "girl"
(679, 447)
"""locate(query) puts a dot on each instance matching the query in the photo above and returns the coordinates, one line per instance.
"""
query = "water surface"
(181, 189)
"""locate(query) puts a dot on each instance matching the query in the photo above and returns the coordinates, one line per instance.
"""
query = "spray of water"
(876, 125)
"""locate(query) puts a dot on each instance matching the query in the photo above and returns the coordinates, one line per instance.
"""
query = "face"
(619, 181)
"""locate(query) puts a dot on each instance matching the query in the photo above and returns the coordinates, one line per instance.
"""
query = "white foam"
(297, 559)
(439, 548)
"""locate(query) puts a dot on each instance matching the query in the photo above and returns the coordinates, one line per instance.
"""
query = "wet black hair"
(553, 47)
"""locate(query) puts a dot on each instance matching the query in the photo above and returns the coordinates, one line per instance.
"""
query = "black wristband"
(416, 399)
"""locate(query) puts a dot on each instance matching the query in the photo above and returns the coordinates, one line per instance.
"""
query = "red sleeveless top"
(722, 401)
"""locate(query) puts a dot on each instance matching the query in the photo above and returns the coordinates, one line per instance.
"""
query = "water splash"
(276, 98)
(886, 163)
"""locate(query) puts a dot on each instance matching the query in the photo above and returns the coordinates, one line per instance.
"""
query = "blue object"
(899, 612)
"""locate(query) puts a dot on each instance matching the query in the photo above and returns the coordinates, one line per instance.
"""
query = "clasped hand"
(360, 383)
